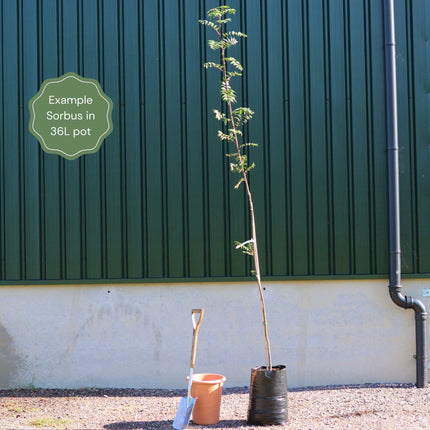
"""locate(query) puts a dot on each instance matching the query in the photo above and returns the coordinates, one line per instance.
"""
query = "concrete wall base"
(139, 336)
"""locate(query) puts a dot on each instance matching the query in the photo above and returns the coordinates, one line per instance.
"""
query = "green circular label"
(70, 116)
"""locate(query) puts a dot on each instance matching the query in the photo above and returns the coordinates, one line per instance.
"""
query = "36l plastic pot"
(268, 403)
(207, 390)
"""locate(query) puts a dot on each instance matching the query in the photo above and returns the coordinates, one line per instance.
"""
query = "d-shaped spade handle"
(196, 325)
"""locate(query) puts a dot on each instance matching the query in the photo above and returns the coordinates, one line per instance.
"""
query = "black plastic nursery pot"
(268, 403)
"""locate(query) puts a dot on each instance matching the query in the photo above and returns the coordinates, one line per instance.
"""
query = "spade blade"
(183, 414)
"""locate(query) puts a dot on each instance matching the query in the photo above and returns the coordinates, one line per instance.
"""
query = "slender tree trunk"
(252, 213)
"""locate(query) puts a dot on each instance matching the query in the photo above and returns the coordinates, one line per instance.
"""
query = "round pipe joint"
(407, 302)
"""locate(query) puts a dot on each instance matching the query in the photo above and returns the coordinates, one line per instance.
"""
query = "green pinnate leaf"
(235, 33)
(234, 62)
(224, 136)
(220, 11)
(221, 116)
(237, 185)
(215, 44)
(229, 41)
(210, 65)
(234, 131)
(246, 247)
(223, 21)
(244, 145)
(228, 95)
(250, 167)
(242, 115)
(209, 24)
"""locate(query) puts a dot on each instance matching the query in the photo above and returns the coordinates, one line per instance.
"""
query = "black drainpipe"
(395, 287)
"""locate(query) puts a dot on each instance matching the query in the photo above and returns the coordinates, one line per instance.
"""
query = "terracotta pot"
(207, 390)
(268, 396)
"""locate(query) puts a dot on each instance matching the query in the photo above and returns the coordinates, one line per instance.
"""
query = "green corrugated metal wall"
(156, 202)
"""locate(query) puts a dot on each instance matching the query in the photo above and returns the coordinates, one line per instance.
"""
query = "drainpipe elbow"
(407, 302)
(398, 298)
(420, 309)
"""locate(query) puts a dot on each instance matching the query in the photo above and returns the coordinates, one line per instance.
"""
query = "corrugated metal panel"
(157, 201)
(418, 76)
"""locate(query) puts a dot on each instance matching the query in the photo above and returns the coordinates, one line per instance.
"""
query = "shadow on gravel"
(352, 387)
(147, 425)
(150, 392)
(90, 392)
(106, 392)
(164, 425)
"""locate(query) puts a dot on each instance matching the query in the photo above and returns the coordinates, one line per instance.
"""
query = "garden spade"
(186, 404)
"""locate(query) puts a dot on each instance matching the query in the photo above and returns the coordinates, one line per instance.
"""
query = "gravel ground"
(376, 406)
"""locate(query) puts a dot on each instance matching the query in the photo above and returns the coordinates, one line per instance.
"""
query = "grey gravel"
(370, 406)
